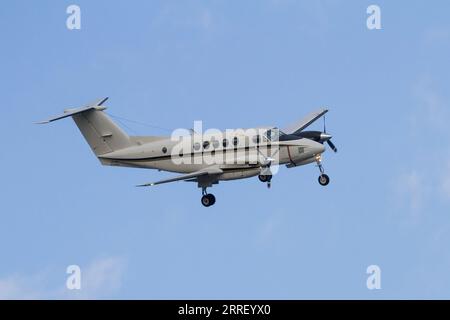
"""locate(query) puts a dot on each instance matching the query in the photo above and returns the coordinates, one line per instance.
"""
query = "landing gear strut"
(323, 178)
(208, 199)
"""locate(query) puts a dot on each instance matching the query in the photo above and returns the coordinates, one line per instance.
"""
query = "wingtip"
(41, 122)
(102, 101)
(145, 185)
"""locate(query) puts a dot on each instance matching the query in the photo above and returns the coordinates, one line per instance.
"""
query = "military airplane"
(205, 158)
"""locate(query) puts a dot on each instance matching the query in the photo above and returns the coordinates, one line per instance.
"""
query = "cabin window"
(256, 139)
(196, 146)
(235, 141)
(164, 149)
(215, 143)
(205, 145)
(225, 143)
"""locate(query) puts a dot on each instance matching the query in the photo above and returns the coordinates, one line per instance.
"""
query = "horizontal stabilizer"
(72, 112)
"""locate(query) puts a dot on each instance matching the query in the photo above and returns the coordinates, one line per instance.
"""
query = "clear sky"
(230, 64)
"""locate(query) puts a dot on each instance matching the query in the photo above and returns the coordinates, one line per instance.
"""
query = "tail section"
(100, 132)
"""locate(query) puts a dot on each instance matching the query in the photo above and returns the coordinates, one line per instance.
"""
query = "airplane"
(231, 155)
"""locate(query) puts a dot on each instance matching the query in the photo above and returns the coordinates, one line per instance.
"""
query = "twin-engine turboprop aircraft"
(205, 158)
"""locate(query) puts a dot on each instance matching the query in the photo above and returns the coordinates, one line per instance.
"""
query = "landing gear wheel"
(324, 179)
(264, 177)
(212, 199)
(208, 200)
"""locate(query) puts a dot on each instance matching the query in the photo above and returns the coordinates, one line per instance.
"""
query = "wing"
(305, 122)
(190, 176)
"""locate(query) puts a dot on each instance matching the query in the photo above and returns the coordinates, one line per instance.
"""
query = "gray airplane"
(204, 158)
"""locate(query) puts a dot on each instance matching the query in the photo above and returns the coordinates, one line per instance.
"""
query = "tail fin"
(100, 132)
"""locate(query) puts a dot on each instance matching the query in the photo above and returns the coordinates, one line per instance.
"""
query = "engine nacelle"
(239, 174)
(302, 162)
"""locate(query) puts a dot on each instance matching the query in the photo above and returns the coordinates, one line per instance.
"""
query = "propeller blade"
(332, 146)
(267, 160)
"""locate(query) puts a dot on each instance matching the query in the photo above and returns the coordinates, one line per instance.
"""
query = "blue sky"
(230, 64)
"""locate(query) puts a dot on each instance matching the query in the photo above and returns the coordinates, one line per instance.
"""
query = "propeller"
(326, 137)
(332, 146)
(265, 167)
(267, 162)
(296, 129)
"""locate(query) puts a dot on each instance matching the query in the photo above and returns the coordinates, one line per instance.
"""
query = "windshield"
(274, 134)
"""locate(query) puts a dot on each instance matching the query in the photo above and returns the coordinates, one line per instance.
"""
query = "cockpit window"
(274, 134)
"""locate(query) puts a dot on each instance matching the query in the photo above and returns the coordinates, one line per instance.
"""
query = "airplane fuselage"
(237, 160)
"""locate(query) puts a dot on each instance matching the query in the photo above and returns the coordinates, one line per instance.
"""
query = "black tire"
(206, 200)
(324, 179)
(212, 199)
(262, 178)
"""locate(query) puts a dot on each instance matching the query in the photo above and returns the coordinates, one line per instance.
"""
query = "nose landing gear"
(208, 199)
(323, 178)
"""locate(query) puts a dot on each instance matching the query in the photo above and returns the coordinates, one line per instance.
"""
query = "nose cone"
(325, 137)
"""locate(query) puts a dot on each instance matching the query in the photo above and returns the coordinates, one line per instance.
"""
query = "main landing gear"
(265, 178)
(323, 178)
(208, 199)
